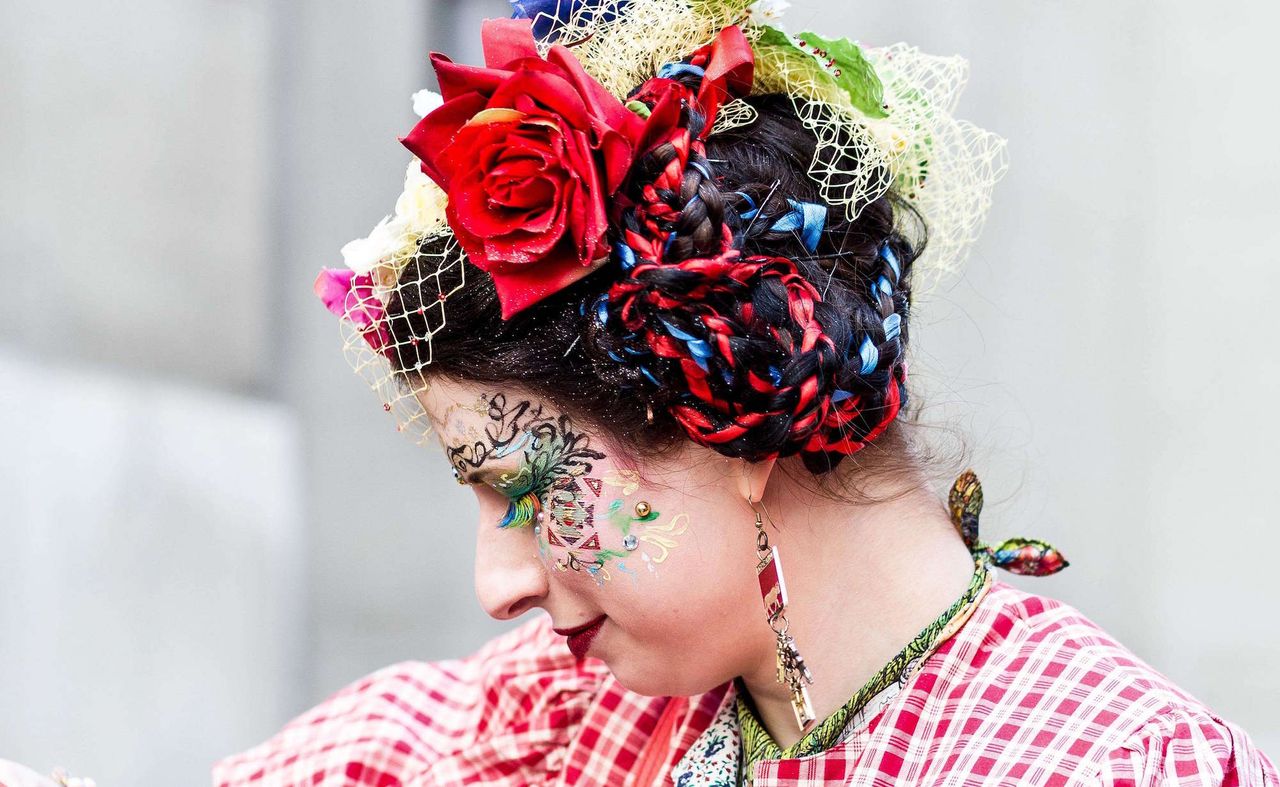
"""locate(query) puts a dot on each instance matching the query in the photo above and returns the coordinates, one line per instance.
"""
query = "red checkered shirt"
(1028, 692)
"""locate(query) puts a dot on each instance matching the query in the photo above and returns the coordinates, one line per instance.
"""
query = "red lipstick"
(580, 637)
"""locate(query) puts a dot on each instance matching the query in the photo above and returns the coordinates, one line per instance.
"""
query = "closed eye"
(522, 511)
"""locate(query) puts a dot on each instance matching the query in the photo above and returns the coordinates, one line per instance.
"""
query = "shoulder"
(1182, 745)
(510, 706)
(1036, 645)
(1030, 684)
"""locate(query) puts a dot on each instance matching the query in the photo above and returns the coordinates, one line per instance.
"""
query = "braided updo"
(722, 319)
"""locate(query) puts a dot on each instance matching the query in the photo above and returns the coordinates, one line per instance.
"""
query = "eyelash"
(522, 511)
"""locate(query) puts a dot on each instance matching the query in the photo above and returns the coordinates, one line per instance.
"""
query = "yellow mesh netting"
(946, 167)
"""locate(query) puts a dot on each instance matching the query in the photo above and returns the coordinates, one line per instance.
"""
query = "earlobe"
(754, 478)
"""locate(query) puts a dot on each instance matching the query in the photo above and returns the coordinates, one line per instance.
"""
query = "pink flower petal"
(332, 287)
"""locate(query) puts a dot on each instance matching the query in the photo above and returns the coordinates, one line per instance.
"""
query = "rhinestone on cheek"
(630, 542)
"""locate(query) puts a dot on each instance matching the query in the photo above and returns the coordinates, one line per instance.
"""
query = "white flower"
(421, 205)
(764, 12)
(384, 241)
(426, 100)
(419, 212)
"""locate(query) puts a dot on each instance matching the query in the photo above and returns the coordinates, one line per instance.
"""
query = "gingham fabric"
(1028, 692)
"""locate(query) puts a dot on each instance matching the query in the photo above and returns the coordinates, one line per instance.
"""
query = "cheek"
(674, 573)
(604, 527)
(685, 630)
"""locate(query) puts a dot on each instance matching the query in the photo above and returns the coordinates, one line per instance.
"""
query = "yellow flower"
(888, 136)
(386, 275)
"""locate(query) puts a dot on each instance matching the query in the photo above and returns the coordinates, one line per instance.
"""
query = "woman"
(648, 286)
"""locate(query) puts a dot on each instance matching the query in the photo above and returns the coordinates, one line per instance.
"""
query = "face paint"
(644, 531)
(555, 459)
(555, 491)
(661, 581)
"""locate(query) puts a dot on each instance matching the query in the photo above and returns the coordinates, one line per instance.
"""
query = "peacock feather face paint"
(587, 516)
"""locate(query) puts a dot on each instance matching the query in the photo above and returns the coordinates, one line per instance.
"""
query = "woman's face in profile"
(665, 553)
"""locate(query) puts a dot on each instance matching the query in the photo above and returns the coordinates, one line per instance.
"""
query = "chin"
(673, 678)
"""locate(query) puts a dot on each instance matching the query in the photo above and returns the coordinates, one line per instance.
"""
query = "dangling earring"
(792, 671)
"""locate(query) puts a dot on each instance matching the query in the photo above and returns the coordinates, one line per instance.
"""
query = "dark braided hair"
(733, 331)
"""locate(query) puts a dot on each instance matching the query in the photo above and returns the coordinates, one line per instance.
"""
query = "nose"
(510, 576)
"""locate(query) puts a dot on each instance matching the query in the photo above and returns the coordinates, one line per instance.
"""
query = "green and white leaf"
(849, 70)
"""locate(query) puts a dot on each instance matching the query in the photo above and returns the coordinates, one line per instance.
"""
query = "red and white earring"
(792, 671)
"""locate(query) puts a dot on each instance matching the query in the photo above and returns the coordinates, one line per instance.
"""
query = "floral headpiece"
(548, 163)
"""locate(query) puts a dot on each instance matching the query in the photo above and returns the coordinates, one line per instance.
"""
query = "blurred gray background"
(208, 524)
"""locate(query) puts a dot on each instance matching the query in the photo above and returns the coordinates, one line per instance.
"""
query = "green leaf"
(841, 61)
(640, 108)
(772, 36)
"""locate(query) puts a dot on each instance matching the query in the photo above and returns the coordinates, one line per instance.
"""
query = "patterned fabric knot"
(1026, 556)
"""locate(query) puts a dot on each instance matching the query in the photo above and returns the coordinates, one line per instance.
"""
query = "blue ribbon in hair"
(673, 70)
(888, 256)
(626, 255)
(870, 356)
(601, 307)
(698, 348)
(810, 218)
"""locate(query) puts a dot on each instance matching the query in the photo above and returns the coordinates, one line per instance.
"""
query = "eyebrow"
(482, 476)
(490, 475)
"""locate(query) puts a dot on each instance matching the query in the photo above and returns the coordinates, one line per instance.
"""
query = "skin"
(862, 580)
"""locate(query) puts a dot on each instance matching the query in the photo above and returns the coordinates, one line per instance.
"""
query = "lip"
(580, 637)
(578, 629)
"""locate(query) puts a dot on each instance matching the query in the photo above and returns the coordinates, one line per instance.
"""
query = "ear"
(753, 478)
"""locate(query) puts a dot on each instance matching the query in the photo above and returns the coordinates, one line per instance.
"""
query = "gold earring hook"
(765, 509)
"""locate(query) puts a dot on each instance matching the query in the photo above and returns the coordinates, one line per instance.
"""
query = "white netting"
(623, 44)
(417, 281)
(944, 166)
(735, 114)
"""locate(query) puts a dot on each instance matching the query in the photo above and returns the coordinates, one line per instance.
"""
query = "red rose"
(529, 151)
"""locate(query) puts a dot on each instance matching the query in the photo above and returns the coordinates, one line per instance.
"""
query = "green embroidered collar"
(758, 744)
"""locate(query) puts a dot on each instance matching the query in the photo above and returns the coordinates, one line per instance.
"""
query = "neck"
(862, 582)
